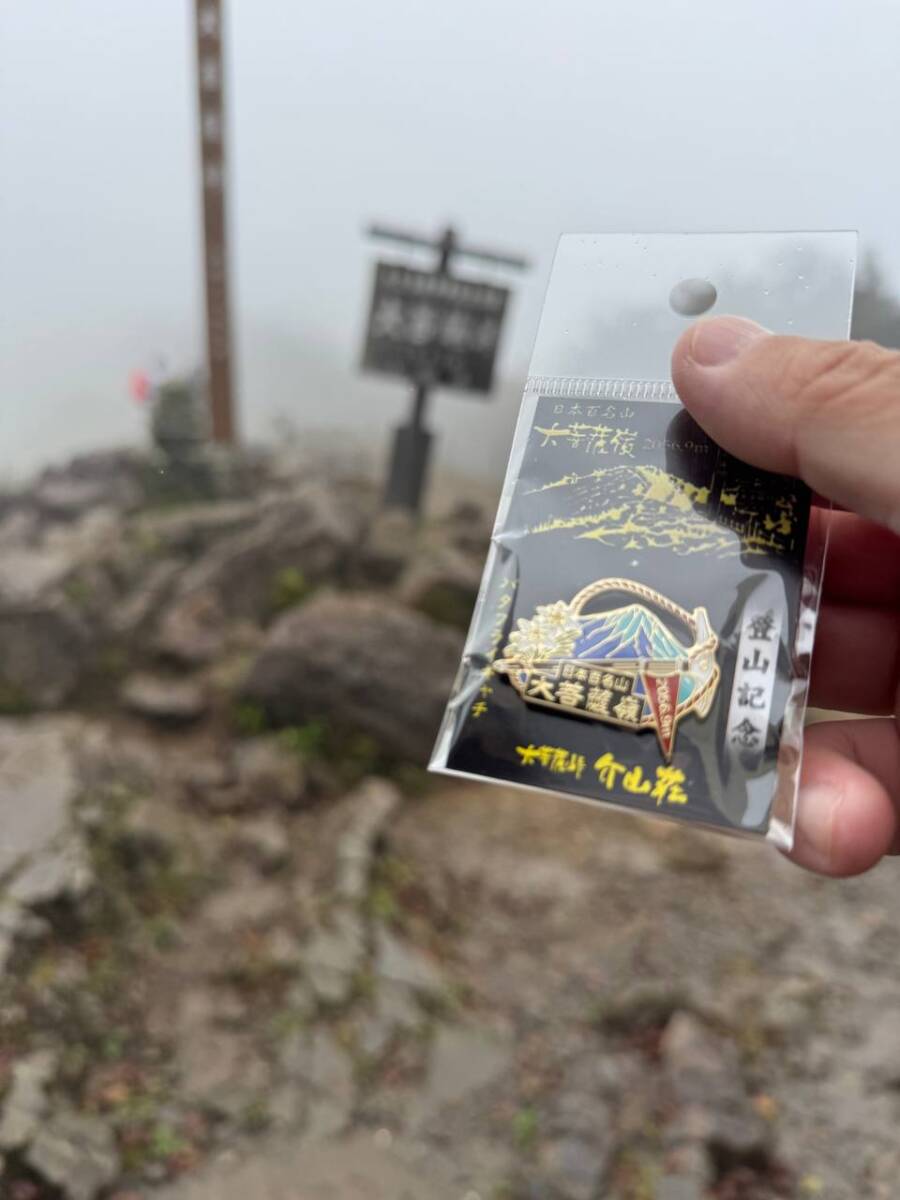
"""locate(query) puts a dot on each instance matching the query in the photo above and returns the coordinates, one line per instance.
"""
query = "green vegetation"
(78, 591)
(525, 1128)
(309, 740)
(290, 587)
(250, 719)
(636, 1174)
(13, 700)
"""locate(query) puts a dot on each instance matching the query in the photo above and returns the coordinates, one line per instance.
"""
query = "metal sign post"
(437, 330)
(211, 109)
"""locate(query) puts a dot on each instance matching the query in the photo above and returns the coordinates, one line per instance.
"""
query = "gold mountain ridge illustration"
(644, 507)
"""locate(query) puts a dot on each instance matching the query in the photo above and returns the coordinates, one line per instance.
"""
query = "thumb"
(828, 412)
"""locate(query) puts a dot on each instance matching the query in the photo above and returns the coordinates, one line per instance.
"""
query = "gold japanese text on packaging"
(644, 628)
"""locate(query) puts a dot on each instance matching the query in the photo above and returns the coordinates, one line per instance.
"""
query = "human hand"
(828, 412)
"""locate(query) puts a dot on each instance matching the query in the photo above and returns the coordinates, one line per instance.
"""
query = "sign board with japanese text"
(434, 329)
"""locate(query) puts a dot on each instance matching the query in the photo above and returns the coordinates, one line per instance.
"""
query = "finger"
(856, 660)
(846, 816)
(863, 563)
(828, 412)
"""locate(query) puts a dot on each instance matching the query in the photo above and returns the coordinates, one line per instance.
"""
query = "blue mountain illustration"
(626, 633)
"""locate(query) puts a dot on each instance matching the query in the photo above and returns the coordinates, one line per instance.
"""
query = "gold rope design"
(646, 593)
(628, 585)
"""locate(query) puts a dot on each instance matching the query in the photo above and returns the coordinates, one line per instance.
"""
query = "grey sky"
(518, 121)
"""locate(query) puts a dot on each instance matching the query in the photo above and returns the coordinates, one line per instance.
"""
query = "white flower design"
(551, 633)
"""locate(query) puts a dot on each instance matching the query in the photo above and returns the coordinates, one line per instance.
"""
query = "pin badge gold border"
(540, 662)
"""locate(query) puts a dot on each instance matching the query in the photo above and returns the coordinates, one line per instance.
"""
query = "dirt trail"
(627, 1009)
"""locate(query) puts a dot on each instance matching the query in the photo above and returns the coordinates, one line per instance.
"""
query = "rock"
(463, 1061)
(260, 772)
(165, 701)
(335, 956)
(281, 948)
(711, 1101)
(354, 1168)
(26, 1100)
(219, 1067)
(878, 1054)
(789, 1006)
(389, 545)
(371, 806)
(364, 665)
(575, 1168)
(28, 572)
(270, 773)
(330, 1069)
(151, 830)
(326, 1073)
(646, 1004)
(301, 999)
(11, 917)
(19, 525)
(213, 783)
(398, 961)
(311, 533)
(443, 586)
(45, 649)
(139, 609)
(109, 478)
(680, 1187)
(60, 870)
(76, 1153)
(66, 499)
(330, 1072)
(468, 527)
(331, 987)
(192, 631)
(248, 901)
(588, 1089)
(38, 784)
(265, 841)
(222, 1072)
(394, 1011)
(191, 529)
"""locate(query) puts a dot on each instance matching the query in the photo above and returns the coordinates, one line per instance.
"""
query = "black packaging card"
(634, 643)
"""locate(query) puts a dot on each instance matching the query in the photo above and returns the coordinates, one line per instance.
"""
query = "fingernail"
(718, 340)
(817, 809)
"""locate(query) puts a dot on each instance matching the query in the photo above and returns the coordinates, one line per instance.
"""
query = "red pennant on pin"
(662, 696)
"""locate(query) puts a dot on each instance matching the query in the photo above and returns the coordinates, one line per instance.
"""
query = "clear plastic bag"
(644, 628)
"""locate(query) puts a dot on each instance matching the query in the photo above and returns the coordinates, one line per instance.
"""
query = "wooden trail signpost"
(211, 111)
(436, 330)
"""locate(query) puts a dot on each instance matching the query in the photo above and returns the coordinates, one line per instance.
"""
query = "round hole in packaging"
(692, 297)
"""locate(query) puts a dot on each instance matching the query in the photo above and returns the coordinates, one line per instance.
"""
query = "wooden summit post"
(211, 114)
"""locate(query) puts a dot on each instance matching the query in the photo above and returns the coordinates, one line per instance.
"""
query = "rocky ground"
(250, 950)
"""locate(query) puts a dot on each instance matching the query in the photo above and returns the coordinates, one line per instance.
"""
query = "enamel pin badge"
(622, 664)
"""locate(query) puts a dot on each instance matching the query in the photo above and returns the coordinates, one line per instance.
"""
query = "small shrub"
(290, 587)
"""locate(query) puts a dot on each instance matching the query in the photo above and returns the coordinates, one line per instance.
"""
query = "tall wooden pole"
(211, 109)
